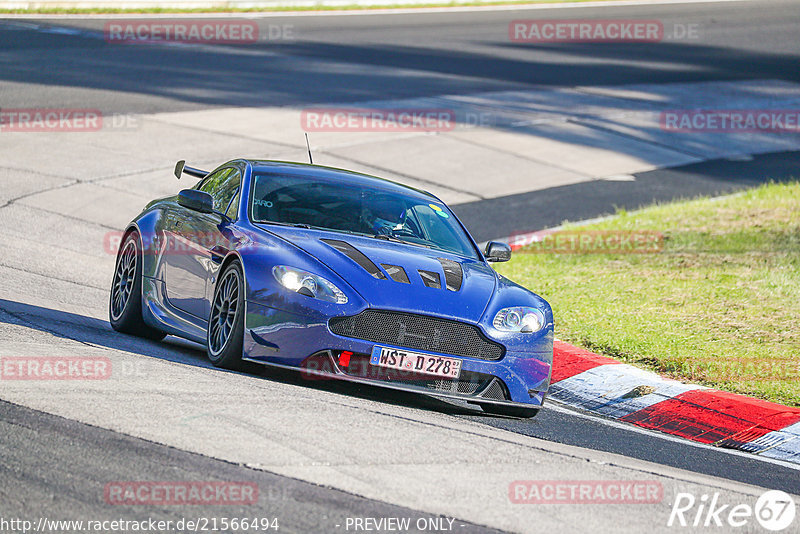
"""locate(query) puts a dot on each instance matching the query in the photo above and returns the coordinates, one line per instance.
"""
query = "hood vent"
(430, 279)
(396, 273)
(357, 256)
(453, 274)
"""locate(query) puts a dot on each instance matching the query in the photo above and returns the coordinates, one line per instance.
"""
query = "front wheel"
(125, 303)
(226, 321)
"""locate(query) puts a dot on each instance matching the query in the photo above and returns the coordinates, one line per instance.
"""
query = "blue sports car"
(337, 274)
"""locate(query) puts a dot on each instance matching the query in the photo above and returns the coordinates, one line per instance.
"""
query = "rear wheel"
(226, 321)
(522, 412)
(125, 303)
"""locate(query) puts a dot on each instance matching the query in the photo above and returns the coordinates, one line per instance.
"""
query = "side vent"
(357, 256)
(396, 273)
(453, 275)
(495, 390)
(430, 279)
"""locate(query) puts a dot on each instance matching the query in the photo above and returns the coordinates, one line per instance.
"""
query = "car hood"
(466, 285)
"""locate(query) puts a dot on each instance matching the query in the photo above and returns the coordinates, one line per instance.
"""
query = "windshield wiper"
(396, 239)
(294, 225)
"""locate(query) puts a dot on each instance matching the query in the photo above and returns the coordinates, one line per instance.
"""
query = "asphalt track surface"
(458, 53)
(46, 456)
(341, 59)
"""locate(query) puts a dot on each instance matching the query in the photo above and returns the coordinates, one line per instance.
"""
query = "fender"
(149, 225)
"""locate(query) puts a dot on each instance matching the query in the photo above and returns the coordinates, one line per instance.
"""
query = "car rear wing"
(181, 168)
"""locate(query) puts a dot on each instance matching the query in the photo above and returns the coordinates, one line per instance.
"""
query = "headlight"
(308, 284)
(519, 319)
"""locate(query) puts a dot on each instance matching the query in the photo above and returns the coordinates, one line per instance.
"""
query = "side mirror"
(496, 251)
(179, 168)
(196, 200)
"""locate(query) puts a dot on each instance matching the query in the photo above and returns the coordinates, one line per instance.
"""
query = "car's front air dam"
(278, 337)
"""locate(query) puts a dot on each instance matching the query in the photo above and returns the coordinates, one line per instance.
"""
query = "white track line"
(377, 11)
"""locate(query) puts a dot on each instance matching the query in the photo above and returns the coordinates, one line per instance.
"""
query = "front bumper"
(305, 341)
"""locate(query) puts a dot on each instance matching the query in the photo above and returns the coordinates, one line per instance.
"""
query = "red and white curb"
(607, 387)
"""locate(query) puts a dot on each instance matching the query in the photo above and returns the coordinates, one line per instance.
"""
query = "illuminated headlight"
(519, 319)
(308, 284)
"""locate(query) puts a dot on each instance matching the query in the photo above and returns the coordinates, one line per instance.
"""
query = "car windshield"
(327, 205)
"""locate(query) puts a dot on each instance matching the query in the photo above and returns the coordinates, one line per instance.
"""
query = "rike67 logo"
(774, 510)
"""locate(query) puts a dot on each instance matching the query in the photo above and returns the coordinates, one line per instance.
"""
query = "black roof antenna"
(311, 161)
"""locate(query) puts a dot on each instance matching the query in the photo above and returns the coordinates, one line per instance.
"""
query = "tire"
(521, 412)
(125, 301)
(225, 333)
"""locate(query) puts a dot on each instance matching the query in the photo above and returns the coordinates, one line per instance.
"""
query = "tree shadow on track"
(97, 332)
(301, 72)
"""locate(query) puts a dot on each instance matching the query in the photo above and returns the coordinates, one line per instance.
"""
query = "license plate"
(415, 362)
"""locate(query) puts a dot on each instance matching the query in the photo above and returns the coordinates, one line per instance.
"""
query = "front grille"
(462, 386)
(419, 332)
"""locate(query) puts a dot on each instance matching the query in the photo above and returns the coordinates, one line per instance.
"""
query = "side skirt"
(158, 313)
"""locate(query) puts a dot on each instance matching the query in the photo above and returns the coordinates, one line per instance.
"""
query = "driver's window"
(222, 186)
